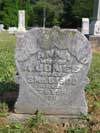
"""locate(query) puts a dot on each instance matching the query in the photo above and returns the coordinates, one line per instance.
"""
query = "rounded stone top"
(72, 40)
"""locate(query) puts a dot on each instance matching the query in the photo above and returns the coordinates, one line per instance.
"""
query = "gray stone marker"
(1, 27)
(12, 30)
(85, 26)
(52, 69)
(95, 24)
(21, 23)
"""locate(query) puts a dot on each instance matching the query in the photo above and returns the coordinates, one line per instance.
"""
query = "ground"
(9, 91)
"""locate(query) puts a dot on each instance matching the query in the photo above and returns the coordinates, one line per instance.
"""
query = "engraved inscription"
(48, 74)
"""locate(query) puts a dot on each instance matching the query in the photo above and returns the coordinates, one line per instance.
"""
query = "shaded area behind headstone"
(9, 93)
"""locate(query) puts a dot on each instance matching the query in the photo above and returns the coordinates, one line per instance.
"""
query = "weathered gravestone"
(85, 26)
(12, 30)
(1, 27)
(21, 22)
(95, 23)
(52, 69)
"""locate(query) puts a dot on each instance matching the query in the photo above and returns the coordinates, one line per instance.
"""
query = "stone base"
(13, 117)
(21, 29)
(95, 42)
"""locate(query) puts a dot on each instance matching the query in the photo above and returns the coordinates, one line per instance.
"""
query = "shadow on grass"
(9, 93)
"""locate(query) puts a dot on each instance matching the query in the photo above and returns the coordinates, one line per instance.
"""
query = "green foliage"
(82, 116)
(14, 128)
(7, 65)
(68, 18)
(66, 13)
(15, 125)
(77, 130)
(3, 109)
(9, 11)
(53, 10)
(94, 75)
(83, 8)
(98, 131)
(37, 119)
(6, 57)
(96, 104)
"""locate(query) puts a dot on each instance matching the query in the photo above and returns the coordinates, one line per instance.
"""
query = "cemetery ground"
(37, 124)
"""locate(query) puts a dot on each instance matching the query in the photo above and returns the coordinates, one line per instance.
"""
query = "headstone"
(21, 24)
(52, 71)
(95, 24)
(1, 27)
(85, 26)
(12, 30)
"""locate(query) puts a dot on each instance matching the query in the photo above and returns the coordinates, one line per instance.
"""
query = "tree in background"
(83, 8)
(65, 13)
(9, 11)
(68, 17)
(53, 10)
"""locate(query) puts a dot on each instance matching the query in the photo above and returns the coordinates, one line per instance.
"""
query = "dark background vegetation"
(65, 13)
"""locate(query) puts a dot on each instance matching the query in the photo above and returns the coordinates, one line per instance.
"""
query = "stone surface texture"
(52, 69)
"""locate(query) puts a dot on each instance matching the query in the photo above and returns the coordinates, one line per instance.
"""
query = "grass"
(7, 66)
(94, 75)
(7, 71)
